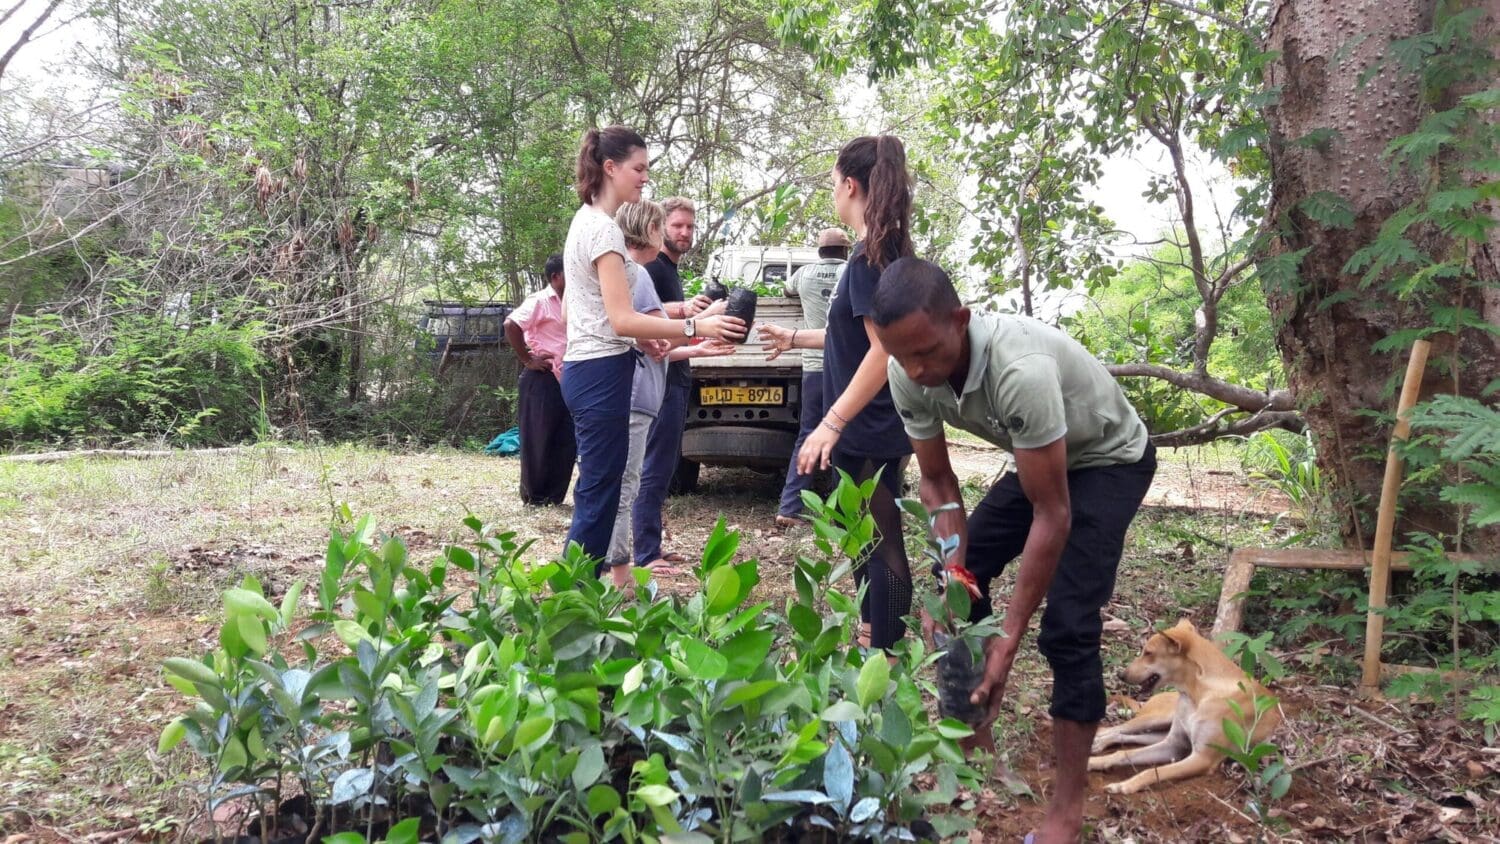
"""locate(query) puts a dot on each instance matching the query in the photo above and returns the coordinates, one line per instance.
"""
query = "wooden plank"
(1232, 597)
(1244, 561)
(1323, 558)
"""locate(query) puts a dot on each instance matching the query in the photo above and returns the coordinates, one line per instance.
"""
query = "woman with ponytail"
(603, 327)
(862, 433)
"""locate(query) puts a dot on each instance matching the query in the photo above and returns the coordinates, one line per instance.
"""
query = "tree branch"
(26, 33)
(1241, 398)
(1211, 430)
(1205, 13)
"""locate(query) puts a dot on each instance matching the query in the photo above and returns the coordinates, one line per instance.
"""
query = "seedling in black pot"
(742, 305)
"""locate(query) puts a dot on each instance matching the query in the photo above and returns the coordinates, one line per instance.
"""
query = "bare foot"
(662, 568)
(784, 522)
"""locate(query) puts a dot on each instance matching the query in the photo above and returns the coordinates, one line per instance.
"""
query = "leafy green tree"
(319, 169)
(1040, 95)
(1360, 131)
(1145, 315)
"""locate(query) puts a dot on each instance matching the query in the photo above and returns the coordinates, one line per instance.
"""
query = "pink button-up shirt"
(540, 318)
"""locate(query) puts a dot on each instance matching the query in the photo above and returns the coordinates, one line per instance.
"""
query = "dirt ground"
(108, 567)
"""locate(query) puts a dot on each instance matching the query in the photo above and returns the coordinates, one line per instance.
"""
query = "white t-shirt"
(591, 235)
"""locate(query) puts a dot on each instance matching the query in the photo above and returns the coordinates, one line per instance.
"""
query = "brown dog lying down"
(1182, 731)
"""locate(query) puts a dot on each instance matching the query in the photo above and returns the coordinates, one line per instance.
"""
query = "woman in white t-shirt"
(603, 328)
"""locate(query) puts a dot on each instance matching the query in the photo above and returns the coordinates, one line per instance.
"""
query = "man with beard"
(664, 443)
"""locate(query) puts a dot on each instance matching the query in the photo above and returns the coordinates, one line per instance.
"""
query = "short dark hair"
(909, 285)
(841, 252)
(554, 266)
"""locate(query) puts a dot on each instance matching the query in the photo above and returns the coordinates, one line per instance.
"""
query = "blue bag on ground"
(506, 443)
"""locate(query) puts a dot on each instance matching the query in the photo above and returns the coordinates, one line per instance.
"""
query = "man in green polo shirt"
(1083, 465)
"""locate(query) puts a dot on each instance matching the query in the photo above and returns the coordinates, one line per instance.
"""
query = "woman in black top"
(862, 432)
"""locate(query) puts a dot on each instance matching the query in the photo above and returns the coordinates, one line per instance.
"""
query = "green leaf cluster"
(535, 699)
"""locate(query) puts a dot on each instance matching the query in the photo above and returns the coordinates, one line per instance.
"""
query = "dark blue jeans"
(808, 418)
(663, 448)
(598, 395)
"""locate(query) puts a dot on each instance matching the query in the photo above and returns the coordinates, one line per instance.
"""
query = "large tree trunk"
(1327, 325)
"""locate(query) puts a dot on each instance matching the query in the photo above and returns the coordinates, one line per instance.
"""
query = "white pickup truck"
(743, 409)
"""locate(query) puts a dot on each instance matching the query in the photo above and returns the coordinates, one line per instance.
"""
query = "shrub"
(539, 702)
(148, 378)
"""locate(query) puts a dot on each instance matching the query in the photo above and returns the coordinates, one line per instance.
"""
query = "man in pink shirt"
(538, 334)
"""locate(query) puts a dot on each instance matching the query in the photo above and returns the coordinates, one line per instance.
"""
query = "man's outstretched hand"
(999, 656)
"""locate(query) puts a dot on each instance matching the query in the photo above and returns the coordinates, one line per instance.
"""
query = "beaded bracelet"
(792, 343)
(838, 416)
(832, 427)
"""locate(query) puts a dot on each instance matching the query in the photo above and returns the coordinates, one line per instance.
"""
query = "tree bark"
(1327, 323)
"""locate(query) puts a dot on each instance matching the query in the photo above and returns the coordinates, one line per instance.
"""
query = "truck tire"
(739, 445)
(685, 478)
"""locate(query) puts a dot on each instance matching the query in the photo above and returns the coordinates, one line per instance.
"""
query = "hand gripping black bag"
(957, 676)
(742, 305)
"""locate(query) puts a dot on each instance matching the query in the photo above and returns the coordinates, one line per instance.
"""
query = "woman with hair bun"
(603, 330)
(862, 433)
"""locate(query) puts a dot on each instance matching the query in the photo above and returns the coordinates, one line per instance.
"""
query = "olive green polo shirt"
(1028, 385)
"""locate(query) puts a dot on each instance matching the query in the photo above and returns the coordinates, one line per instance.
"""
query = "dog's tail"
(1126, 703)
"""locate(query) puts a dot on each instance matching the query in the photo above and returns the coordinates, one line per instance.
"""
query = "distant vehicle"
(743, 410)
(459, 329)
(764, 268)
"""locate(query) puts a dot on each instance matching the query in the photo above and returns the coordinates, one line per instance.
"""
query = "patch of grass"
(104, 566)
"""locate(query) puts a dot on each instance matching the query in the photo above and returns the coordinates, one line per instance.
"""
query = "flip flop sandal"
(673, 557)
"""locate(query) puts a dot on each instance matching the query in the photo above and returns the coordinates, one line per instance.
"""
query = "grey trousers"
(630, 486)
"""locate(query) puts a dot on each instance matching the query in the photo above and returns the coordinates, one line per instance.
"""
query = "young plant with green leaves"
(1266, 775)
(537, 701)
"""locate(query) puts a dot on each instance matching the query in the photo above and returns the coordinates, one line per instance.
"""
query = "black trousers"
(547, 445)
(1104, 499)
(884, 571)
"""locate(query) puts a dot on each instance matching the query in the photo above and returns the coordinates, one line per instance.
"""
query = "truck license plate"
(741, 395)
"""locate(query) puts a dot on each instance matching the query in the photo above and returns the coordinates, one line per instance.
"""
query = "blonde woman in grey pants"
(643, 224)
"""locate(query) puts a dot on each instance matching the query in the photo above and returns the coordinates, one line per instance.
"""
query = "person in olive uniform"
(814, 284)
(1083, 465)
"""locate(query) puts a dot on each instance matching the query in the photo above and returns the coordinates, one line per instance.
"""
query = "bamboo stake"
(1385, 520)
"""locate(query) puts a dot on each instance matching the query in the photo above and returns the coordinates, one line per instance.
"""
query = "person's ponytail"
(589, 176)
(878, 164)
(888, 205)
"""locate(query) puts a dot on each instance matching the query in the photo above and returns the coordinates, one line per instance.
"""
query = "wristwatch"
(689, 328)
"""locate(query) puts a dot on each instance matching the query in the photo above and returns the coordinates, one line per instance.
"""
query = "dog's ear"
(1179, 637)
(1185, 625)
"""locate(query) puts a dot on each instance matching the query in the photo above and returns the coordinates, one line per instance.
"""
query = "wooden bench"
(1244, 561)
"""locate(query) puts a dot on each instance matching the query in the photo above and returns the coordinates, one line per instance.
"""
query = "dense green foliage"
(540, 702)
(303, 176)
(158, 380)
